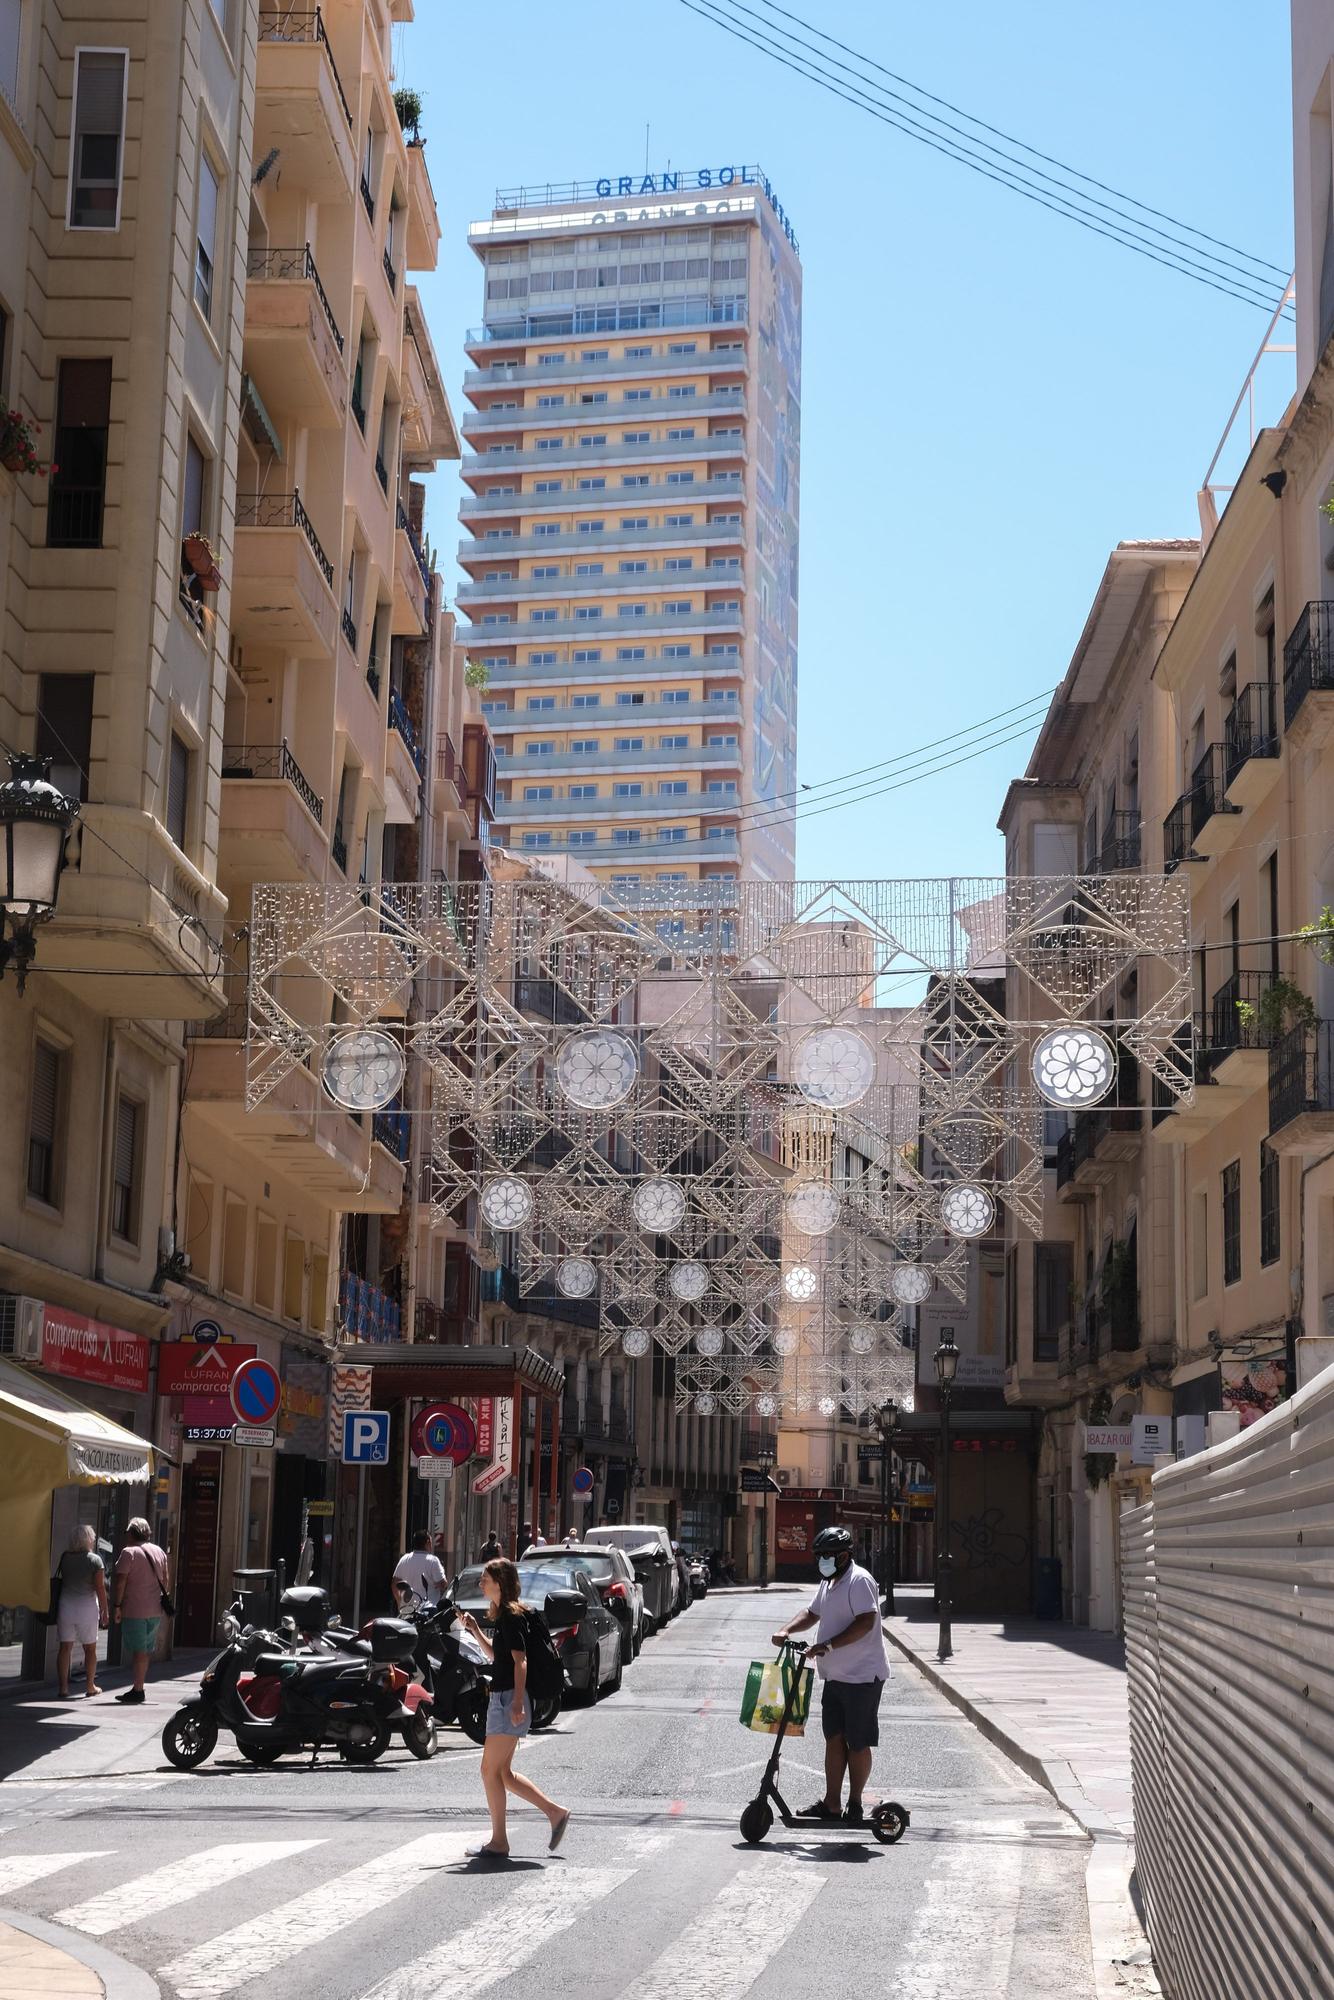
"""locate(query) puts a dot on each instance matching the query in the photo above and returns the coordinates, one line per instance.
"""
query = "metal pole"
(361, 1545)
(945, 1644)
(764, 1541)
(887, 1529)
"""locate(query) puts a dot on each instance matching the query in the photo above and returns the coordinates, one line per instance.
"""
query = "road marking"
(18, 1870)
(962, 1940)
(252, 1949)
(748, 1922)
(494, 1947)
(642, 1841)
(149, 1895)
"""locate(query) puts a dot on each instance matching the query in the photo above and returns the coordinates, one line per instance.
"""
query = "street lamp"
(886, 1422)
(35, 818)
(764, 1458)
(947, 1367)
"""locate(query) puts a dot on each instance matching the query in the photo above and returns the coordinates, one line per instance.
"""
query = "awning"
(48, 1440)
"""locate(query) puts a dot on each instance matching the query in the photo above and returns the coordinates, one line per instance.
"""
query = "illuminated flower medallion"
(636, 1341)
(596, 1069)
(826, 1406)
(709, 1340)
(786, 1343)
(766, 1405)
(363, 1069)
(861, 1340)
(576, 1277)
(506, 1203)
(659, 1205)
(1074, 1066)
(706, 1403)
(812, 1209)
(688, 1282)
(834, 1067)
(910, 1284)
(801, 1283)
(967, 1210)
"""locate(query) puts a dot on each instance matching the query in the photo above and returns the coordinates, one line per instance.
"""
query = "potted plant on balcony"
(18, 449)
(408, 105)
(199, 557)
(1282, 1006)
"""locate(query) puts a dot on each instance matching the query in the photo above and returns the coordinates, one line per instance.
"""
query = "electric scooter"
(887, 1822)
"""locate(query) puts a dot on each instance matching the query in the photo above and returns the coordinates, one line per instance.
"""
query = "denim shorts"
(499, 1721)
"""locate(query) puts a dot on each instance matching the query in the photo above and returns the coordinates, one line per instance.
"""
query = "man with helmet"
(849, 1650)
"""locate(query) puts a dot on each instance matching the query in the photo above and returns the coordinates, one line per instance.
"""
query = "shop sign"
(303, 1418)
(111, 1464)
(1149, 1437)
(1107, 1437)
(320, 1510)
(349, 1389)
(484, 1418)
(195, 1368)
(88, 1350)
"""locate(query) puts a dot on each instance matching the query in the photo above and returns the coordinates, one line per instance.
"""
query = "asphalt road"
(235, 1884)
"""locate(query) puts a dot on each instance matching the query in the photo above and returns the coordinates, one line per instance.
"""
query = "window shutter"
(208, 204)
(95, 160)
(45, 1093)
(178, 789)
(127, 1133)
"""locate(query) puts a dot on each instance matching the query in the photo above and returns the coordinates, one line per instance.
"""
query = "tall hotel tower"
(635, 392)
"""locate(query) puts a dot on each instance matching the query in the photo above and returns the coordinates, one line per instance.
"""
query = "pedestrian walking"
(571, 1538)
(81, 1611)
(141, 1597)
(419, 1572)
(849, 1652)
(509, 1712)
(491, 1548)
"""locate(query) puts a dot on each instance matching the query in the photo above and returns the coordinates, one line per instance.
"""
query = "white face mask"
(827, 1565)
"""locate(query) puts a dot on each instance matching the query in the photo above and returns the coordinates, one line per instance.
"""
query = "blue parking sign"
(365, 1437)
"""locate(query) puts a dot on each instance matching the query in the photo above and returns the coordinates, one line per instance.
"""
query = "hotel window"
(1231, 1194)
(629, 743)
(632, 611)
(545, 528)
(679, 479)
(672, 788)
(678, 520)
(592, 443)
(639, 353)
(549, 486)
(496, 708)
(585, 746)
(178, 789)
(126, 1167)
(675, 652)
(588, 569)
(634, 437)
(681, 391)
(670, 833)
(1270, 1239)
(725, 604)
(551, 360)
(679, 562)
(595, 354)
(537, 840)
(539, 570)
(627, 836)
(724, 787)
(637, 396)
(678, 433)
(550, 444)
(591, 527)
(722, 694)
(717, 833)
(98, 126)
(541, 701)
(632, 568)
(583, 836)
(541, 659)
(588, 614)
(206, 236)
(634, 479)
(583, 791)
(545, 403)
(625, 790)
(44, 1123)
(632, 523)
(625, 881)
(65, 729)
(586, 656)
(589, 397)
(629, 701)
(722, 742)
(679, 607)
(543, 616)
(539, 749)
(673, 743)
(586, 700)
(598, 485)
(676, 694)
(539, 792)
(77, 487)
(681, 347)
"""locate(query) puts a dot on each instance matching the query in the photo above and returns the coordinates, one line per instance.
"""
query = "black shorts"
(851, 1709)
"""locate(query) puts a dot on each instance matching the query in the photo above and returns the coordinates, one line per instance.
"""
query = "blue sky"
(992, 397)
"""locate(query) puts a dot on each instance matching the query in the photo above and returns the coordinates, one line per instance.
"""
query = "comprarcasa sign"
(88, 1350)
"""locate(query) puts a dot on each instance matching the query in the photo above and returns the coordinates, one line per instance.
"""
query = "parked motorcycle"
(699, 1577)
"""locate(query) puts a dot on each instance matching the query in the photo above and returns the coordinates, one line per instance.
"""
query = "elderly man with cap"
(849, 1651)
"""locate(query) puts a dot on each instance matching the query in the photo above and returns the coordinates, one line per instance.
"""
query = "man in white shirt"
(849, 1651)
(420, 1573)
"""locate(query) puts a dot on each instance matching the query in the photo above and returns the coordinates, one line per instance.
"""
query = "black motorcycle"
(454, 1680)
(275, 1700)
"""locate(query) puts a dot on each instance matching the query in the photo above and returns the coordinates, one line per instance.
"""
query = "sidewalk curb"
(120, 1980)
(1122, 1960)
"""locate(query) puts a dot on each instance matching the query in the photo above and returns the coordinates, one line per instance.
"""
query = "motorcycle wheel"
(472, 1717)
(420, 1735)
(366, 1753)
(546, 1711)
(262, 1754)
(189, 1737)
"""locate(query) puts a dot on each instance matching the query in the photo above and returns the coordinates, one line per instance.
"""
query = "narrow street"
(352, 1884)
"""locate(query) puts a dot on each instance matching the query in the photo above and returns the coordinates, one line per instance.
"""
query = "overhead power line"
(1174, 251)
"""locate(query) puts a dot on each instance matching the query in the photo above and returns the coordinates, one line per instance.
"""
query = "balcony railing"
(503, 373)
(1195, 808)
(338, 848)
(1301, 1074)
(294, 265)
(600, 852)
(367, 199)
(74, 516)
(282, 510)
(382, 471)
(658, 620)
(434, 1324)
(756, 1445)
(1308, 658)
(1120, 848)
(611, 319)
(704, 444)
(272, 760)
(373, 678)
(229, 1026)
(290, 24)
(390, 1129)
(618, 410)
(390, 273)
(400, 720)
(358, 410)
(479, 549)
(414, 543)
(545, 1000)
(349, 625)
(612, 715)
(1163, 1102)
(724, 485)
(1251, 728)
(1231, 1028)
(365, 1312)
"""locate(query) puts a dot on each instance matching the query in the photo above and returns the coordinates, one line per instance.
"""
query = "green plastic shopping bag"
(767, 1686)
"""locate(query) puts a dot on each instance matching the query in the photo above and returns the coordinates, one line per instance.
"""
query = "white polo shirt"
(839, 1602)
(422, 1573)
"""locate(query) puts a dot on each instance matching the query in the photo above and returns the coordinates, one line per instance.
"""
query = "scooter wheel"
(889, 1822)
(472, 1719)
(755, 1822)
(189, 1737)
(366, 1753)
(262, 1754)
(420, 1735)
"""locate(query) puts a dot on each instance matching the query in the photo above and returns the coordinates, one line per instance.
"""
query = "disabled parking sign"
(365, 1437)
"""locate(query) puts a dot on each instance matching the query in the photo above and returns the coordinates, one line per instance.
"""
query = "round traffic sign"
(583, 1480)
(256, 1391)
(443, 1430)
(206, 1333)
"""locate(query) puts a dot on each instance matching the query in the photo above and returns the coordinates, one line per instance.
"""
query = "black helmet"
(833, 1542)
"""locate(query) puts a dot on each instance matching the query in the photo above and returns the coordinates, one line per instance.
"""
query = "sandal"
(558, 1831)
(487, 1853)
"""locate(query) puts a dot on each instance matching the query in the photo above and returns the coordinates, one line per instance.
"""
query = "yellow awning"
(48, 1440)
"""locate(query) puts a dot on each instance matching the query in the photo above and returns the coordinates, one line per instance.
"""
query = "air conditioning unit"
(784, 1475)
(21, 1323)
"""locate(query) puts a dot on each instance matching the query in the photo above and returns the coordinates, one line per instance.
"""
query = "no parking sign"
(443, 1430)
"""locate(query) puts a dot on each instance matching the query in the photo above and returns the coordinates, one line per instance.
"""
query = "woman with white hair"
(81, 1610)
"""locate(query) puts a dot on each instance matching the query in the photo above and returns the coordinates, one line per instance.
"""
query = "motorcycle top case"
(307, 1606)
(392, 1639)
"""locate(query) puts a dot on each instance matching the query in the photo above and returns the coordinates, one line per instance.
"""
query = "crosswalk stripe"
(149, 1895)
(962, 1940)
(18, 1870)
(477, 1958)
(251, 1949)
(727, 1947)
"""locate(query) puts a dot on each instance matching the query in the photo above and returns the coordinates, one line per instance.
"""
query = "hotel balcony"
(616, 410)
(1202, 823)
(650, 805)
(272, 826)
(1101, 1141)
(504, 374)
(1120, 850)
(655, 667)
(282, 583)
(655, 624)
(1301, 1091)
(658, 493)
(423, 218)
(293, 344)
(612, 540)
(612, 583)
(412, 580)
(1238, 1044)
(605, 852)
(405, 760)
(301, 108)
(579, 458)
(296, 1131)
(615, 715)
(1308, 678)
(521, 769)
(582, 322)
(1174, 1123)
(1251, 744)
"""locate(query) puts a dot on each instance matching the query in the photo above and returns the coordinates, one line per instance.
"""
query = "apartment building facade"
(632, 514)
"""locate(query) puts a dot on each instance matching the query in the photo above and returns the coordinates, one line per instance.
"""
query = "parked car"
(649, 1549)
(613, 1576)
(587, 1636)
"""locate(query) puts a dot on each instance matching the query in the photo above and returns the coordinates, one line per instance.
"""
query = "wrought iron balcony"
(282, 510)
(358, 409)
(419, 555)
(390, 273)
(338, 848)
(349, 628)
(382, 471)
(1120, 848)
(1301, 1080)
(400, 720)
(367, 199)
(367, 1313)
(1251, 728)
(1194, 809)
(294, 265)
(390, 1129)
(1232, 1028)
(373, 678)
(272, 760)
(280, 23)
(1308, 658)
